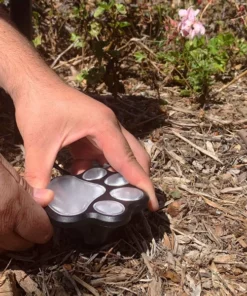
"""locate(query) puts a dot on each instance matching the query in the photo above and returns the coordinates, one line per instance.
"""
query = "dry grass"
(196, 243)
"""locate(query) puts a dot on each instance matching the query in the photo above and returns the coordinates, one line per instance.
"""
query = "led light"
(109, 207)
(127, 194)
(94, 174)
(116, 180)
(72, 195)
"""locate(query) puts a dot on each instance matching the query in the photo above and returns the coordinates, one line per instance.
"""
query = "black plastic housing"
(95, 228)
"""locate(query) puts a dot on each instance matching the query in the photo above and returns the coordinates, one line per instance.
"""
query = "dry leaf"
(171, 275)
(8, 284)
(242, 242)
(237, 271)
(218, 230)
(210, 147)
(26, 283)
(166, 242)
(68, 267)
(237, 147)
(149, 146)
(174, 208)
(169, 241)
(224, 258)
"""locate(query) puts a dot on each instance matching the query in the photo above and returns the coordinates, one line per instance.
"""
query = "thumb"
(39, 161)
(43, 196)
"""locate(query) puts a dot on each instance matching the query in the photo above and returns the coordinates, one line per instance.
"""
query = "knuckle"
(130, 157)
(110, 116)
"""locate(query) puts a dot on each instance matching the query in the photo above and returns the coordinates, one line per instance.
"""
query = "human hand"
(52, 117)
(23, 222)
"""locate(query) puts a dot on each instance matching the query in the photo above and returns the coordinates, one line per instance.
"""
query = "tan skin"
(51, 115)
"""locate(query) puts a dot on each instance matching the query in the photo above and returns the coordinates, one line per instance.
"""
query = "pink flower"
(189, 26)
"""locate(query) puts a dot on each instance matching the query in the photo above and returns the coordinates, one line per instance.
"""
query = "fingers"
(141, 155)
(119, 155)
(79, 166)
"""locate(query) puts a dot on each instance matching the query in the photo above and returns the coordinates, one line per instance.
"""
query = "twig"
(73, 60)
(102, 261)
(147, 263)
(150, 119)
(172, 180)
(109, 279)
(130, 41)
(203, 194)
(231, 82)
(233, 189)
(215, 271)
(62, 53)
(223, 122)
(173, 155)
(190, 237)
(85, 285)
(7, 266)
(205, 8)
(196, 147)
(222, 209)
(68, 276)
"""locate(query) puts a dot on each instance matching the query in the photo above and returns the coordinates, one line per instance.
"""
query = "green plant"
(197, 62)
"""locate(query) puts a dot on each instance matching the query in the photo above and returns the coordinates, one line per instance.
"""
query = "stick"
(233, 189)
(62, 53)
(85, 285)
(231, 82)
(196, 147)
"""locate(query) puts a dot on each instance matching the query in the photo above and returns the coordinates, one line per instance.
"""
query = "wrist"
(33, 81)
(21, 67)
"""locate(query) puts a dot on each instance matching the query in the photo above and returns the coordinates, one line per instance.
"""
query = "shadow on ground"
(65, 247)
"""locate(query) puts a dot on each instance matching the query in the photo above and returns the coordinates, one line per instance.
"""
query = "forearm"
(20, 65)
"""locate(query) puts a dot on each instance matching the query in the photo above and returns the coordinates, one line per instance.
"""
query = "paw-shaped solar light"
(95, 202)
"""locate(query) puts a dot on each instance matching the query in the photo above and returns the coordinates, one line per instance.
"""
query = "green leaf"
(95, 29)
(123, 24)
(121, 8)
(73, 37)
(37, 41)
(185, 93)
(105, 5)
(140, 56)
(82, 76)
(77, 40)
(176, 194)
(75, 12)
(99, 11)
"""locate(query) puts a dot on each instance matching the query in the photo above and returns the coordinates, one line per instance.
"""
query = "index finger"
(120, 156)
